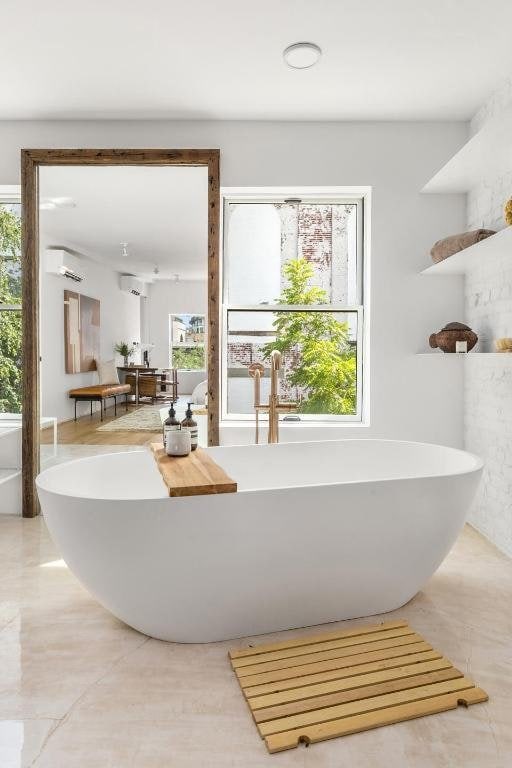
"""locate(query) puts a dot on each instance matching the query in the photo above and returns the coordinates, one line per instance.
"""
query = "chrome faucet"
(275, 405)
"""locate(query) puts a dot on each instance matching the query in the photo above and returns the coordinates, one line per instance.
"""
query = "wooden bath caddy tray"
(316, 688)
(194, 475)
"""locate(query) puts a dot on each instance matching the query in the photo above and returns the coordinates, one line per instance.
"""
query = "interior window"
(187, 334)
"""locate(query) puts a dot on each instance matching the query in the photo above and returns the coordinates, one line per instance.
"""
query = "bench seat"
(99, 393)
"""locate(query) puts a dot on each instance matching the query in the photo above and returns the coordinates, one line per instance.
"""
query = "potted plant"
(126, 350)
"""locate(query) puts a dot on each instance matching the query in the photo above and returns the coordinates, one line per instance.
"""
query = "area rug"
(145, 419)
(328, 685)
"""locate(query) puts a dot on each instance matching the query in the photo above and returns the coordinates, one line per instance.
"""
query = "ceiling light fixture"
(302, 55)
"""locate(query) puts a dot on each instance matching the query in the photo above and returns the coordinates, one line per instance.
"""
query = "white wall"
(167, 297)
(411, 397)
(488, 383)
(119, 321)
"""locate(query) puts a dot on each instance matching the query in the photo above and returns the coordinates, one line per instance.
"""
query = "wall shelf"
(464, 354)
(482, 156)
(463, 261)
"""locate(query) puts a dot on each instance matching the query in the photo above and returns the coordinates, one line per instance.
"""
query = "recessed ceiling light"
(302, 55)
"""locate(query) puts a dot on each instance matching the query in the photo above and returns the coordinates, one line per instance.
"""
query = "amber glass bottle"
(171, 423)
(189, 423)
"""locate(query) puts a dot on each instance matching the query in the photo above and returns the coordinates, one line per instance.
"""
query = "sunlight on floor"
(54, 564)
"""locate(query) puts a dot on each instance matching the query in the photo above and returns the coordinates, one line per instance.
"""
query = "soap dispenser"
(171, 424)
(189, 423)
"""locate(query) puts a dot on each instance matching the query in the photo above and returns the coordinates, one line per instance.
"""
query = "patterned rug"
(145, 419)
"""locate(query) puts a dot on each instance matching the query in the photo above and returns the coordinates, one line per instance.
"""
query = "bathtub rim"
(478, 465)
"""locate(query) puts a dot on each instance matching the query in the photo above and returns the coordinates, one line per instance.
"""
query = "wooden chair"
(147, 385)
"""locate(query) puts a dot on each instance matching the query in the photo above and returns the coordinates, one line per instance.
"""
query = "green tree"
(326, 369)
(188, 358)
(10, 321)
(196, 321)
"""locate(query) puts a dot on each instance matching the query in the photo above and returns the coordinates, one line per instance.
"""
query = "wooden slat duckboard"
(332, 684)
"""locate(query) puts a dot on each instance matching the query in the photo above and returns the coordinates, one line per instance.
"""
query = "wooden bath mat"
(323, 686)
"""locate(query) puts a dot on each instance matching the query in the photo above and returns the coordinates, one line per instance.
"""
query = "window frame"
(10, 194)
(360, 196)
(202, 345)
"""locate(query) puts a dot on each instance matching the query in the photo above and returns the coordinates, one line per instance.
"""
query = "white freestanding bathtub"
(317, 532)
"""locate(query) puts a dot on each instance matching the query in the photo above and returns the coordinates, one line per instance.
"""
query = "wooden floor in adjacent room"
(84, 431)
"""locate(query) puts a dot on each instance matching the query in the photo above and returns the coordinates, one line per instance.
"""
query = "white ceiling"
(160, 212)
(222, 59)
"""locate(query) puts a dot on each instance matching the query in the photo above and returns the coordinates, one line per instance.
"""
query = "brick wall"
(488, 380)
(498, 102)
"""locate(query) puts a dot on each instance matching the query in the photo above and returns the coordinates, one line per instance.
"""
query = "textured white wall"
(485, 201)
(496, 104)
(488, 380)
(411, 397)
(488, 433)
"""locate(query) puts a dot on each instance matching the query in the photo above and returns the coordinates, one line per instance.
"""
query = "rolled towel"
(455, 243)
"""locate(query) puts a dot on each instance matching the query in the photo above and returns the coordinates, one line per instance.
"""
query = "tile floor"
(79, 689)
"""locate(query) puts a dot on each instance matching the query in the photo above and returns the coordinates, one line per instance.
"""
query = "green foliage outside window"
(10, 321)
(188, 358)
(327, 365)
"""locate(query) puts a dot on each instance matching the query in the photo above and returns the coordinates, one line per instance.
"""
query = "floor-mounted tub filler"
(317, 532)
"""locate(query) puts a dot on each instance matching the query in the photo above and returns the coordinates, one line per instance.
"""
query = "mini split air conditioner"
(131, 284)
(64, 264)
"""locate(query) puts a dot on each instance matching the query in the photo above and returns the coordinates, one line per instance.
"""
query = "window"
(293, 281)
(10, 304)
(187, 334)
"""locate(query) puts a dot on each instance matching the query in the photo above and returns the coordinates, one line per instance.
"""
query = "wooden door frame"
(31, 160)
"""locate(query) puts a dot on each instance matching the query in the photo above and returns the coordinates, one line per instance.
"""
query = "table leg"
(136, 386)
